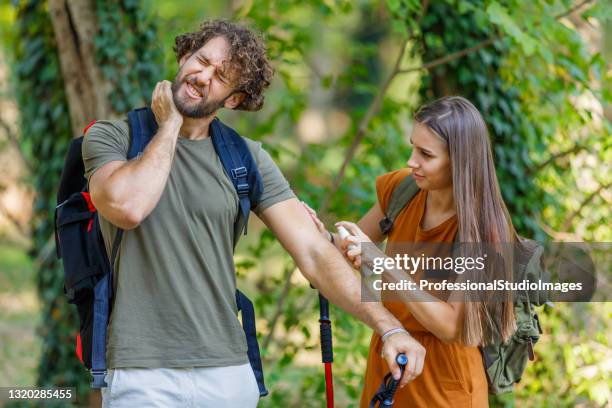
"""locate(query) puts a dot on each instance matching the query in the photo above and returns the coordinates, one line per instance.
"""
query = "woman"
(459, 195)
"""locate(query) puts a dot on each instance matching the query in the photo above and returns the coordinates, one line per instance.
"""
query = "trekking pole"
(386, 392)
(327, 351)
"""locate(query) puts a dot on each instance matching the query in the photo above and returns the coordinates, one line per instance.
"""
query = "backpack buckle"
(385, 225)
(242, 188)
(98, 378)
(239, 172)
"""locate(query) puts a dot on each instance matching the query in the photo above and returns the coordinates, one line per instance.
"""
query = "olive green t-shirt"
(174, 280)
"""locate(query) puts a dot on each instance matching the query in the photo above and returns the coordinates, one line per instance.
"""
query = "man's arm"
(322, 264)
(125, 192)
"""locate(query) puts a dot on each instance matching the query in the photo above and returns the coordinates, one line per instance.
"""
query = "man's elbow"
(122, 214)
(311, 258)
(129, 220)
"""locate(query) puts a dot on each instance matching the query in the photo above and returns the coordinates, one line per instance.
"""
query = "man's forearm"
(335, 279)
(441, 318)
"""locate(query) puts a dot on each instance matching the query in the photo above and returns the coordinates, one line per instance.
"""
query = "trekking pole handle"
(327, 350)
(401, 360)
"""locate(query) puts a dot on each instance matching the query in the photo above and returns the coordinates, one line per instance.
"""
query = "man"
(174, 338)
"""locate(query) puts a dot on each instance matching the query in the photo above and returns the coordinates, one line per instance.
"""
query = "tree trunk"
(75, 27)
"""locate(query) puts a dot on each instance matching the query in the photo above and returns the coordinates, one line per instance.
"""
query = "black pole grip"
(389, 393)
(327, 349)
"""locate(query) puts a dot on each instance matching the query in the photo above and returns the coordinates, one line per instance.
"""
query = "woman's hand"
(317, 222)
(351, 245)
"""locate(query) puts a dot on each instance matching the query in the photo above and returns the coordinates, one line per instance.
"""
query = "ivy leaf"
(394, 6)
(499, 15)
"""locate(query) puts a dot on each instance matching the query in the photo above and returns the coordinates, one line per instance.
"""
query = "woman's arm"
(443, 319)
(369, 224)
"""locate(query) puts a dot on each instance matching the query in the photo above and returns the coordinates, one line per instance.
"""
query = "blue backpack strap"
(241, 169)
(100, 322)
(143, 127)
(101, 313)
(248, 324)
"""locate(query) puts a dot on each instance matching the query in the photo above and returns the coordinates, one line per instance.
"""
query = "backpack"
(88, 272)
(504, 362)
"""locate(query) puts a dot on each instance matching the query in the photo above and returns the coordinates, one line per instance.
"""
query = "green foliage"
(19, 316)
(477, 77)
(131, 64)
(572, 365)
(566, 136)
(131, 57)
(532, 114)
(45, 129)
(7, 17)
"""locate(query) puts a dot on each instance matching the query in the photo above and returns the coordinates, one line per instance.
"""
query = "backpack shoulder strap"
(403, 193)
(143, 127)
(241, 168)
(529, 257)
(245, 306)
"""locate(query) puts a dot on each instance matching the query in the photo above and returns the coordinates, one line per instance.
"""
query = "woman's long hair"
(481, 212)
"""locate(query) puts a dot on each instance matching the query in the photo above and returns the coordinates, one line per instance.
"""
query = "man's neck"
(196, 129)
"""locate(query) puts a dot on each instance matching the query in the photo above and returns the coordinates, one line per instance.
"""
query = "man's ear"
(234, 100)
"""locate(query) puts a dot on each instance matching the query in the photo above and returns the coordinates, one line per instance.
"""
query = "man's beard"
(195, 110)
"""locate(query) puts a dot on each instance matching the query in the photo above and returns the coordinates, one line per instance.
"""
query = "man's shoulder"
(106, 136)
(254, 145)
(259, 153)
(119, 127)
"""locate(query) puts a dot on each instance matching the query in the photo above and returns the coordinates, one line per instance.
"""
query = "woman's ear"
(234, 100)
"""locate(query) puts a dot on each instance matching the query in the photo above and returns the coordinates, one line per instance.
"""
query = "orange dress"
(453, 375)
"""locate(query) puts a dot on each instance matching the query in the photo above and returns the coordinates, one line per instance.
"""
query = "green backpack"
(504, 362)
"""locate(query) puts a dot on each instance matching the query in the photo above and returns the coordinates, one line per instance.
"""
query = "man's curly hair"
(247, 57)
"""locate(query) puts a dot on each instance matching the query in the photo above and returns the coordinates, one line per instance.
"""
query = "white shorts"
(231, 387)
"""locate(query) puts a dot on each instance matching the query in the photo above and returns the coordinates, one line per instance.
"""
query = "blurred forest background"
(349, 75)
